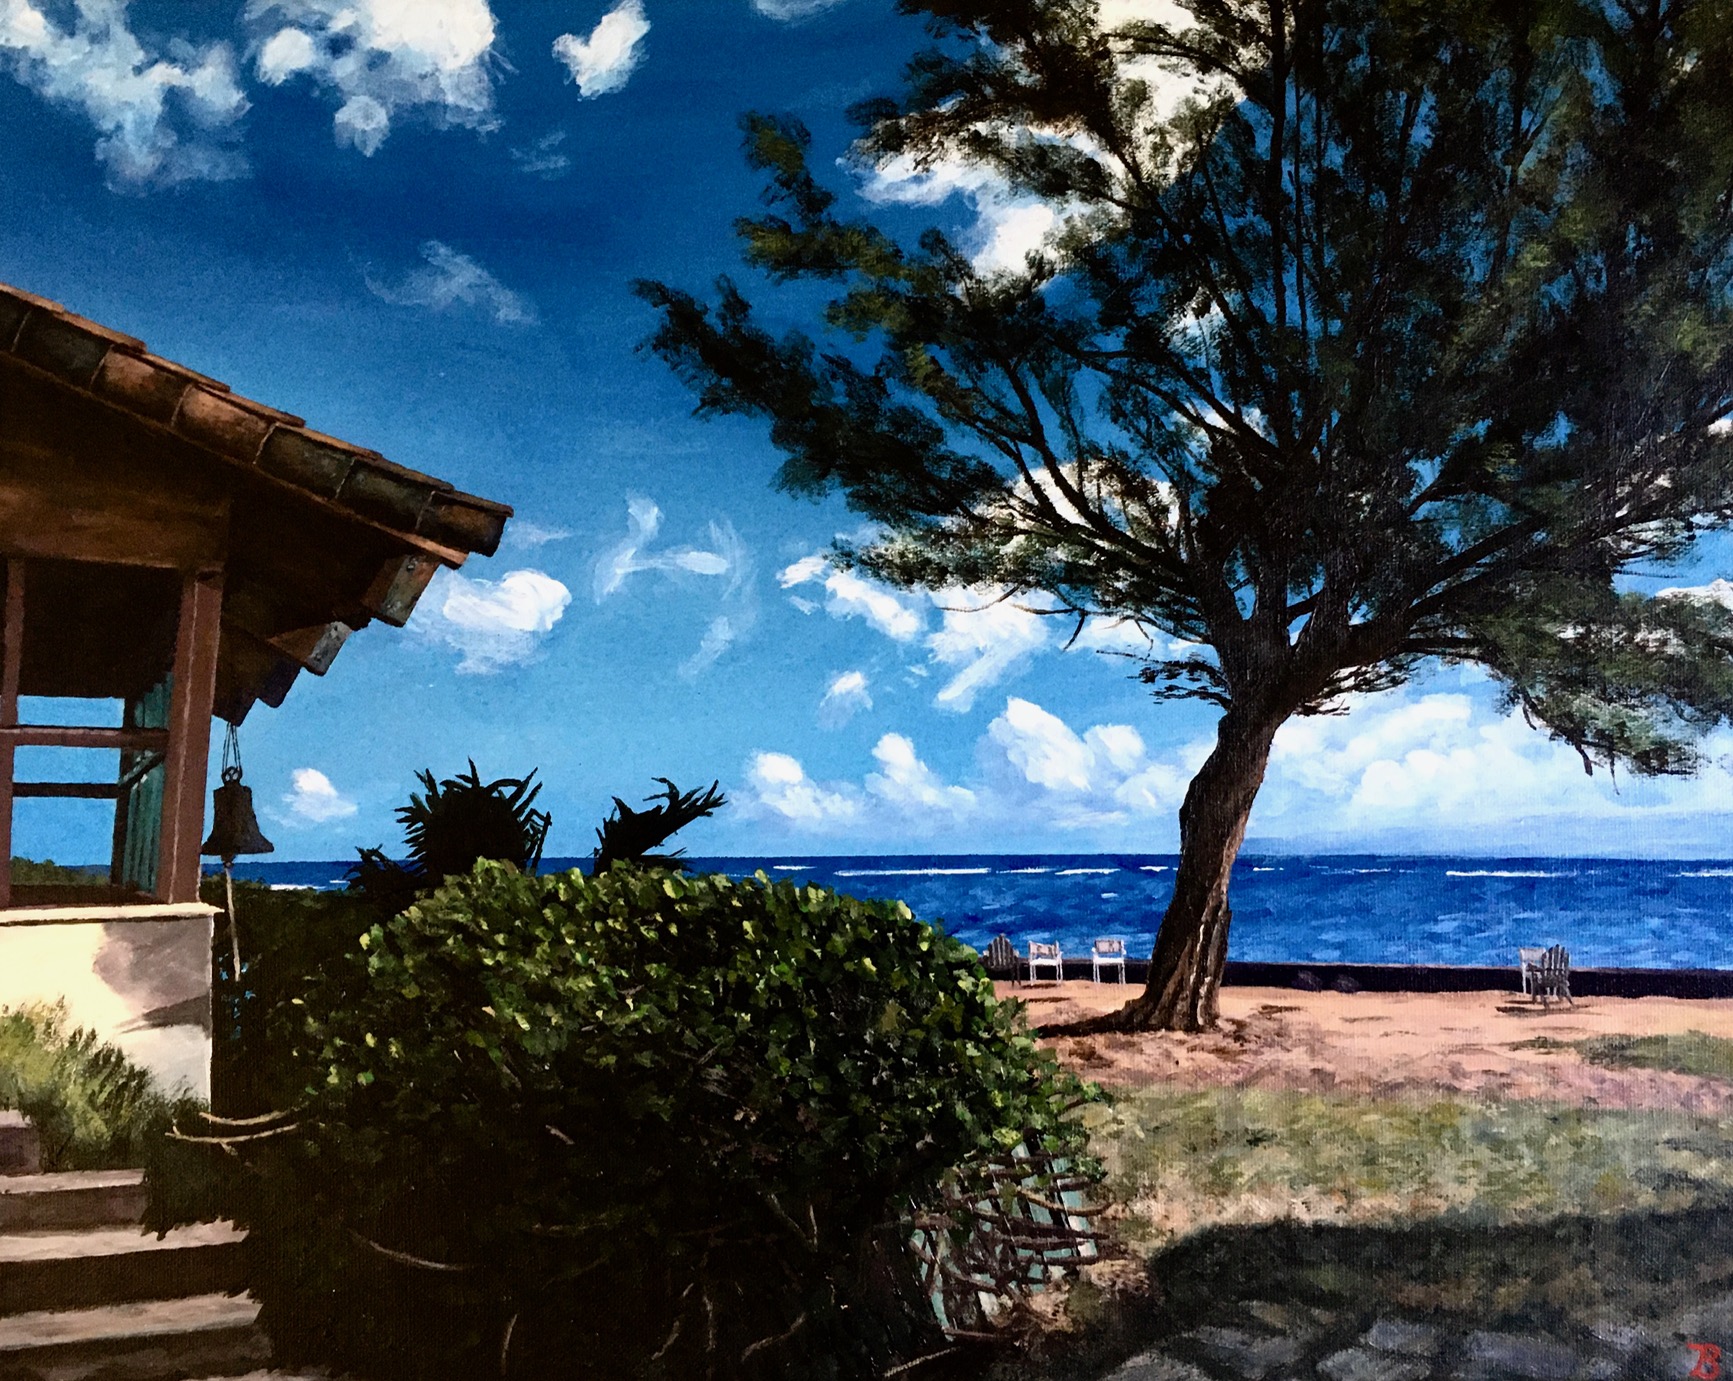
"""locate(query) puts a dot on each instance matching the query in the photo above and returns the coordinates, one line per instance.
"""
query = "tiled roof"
(119, 370)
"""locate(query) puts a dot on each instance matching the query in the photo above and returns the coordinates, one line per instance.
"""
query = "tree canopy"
(1370, 332)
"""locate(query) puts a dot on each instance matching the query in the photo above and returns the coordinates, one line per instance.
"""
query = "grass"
(93, 1107)
(1692, 1052)
(1179, 1160)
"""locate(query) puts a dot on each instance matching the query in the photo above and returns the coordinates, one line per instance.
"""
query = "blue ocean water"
(1616, 913)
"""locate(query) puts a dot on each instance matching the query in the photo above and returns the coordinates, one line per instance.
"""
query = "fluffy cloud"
(986, 639)
(493, 623)
(1447, 761)
(161, 120)
(1034, 775)
(781, 787)
(451, 279)
(846, 695)
(905, 782)
(726, 560)
(787, 10)
(605, 60)
(847, 595)
(381, 59)
(313, 800)
(1008, 227)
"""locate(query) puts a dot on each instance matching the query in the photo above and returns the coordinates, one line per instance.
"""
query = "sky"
(416, 224)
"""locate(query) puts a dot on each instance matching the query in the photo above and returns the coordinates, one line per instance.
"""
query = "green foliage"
(29, 871)
(1691, 1052)
(93, 1107)
(445, 830)
(668, 1121)
(628, 835)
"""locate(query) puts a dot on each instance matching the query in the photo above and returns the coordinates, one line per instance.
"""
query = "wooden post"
(11, 663)
(189, 736)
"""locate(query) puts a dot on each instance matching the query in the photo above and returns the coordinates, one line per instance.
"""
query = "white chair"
(1529, 959)
(1108, 954)
(1046, 957)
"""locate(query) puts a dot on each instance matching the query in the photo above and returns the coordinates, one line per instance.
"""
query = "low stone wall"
(137, 976)
(1446, 978)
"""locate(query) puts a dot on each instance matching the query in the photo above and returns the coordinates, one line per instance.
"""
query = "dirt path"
(1397, 1043)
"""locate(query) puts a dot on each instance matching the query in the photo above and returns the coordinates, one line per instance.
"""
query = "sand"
(1395, 1043)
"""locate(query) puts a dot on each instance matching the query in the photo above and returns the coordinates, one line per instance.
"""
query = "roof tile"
(461, 520)
(139, 384)
(219, 421)
(62, 346)
(374, 491)
(307, 459)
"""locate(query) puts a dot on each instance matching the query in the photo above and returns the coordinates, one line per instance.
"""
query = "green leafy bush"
(638, 1124)
(93, 1107)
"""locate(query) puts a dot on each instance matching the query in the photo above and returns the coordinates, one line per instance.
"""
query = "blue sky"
(415, 223)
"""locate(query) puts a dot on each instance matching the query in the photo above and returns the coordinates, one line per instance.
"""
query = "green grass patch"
(1180, 1159)
(1693, 1052)
(94, 1108)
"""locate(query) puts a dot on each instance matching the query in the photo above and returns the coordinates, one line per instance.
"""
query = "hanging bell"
(234, 827)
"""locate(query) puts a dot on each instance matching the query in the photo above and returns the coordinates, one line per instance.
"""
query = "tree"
(1402, 338)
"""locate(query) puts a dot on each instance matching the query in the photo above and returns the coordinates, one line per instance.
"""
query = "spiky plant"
(447, 826)
(629, 835)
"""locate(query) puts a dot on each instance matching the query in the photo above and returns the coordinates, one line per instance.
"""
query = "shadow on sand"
(1575, 1296)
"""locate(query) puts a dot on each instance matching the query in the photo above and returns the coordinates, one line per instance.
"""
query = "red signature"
(1708, 1365)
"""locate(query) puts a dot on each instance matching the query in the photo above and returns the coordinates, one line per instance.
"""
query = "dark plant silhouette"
(628, 835)
(448, 828)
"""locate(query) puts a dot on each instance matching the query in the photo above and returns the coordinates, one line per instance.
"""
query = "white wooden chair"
(1529, 960)
(1108, 954)
(1046, 957)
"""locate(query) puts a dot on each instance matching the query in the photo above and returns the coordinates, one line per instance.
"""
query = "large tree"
(1404, 336)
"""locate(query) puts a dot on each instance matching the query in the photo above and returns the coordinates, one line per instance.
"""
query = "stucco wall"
(144, 985)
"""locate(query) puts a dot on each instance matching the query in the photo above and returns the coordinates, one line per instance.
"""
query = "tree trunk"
(1191, 949)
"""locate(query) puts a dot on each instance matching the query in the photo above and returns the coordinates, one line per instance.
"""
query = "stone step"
(99, 1266)
(154, 1340)
(70, 1200)
(20, 1146)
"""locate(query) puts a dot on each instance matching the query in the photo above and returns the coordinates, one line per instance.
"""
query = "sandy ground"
(1394, 1043)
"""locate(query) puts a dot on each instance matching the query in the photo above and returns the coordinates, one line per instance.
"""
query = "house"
(170, 552)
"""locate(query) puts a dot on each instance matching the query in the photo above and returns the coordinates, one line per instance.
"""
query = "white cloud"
(780, 786)
(848, 595)
(725, 555)
(725, 559)
(544, 158)
(1043, 747)
(382, 59)
(452, 279)
(161, 119)
(1008, 226)
(605, 60)
(1717, 591)
(521, 532)
(846, 695)
(905, 782)
(313, 800)
(788, 10)
(493, 623)
(988, 639)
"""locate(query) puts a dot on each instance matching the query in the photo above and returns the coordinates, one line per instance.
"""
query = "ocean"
(1610, 913)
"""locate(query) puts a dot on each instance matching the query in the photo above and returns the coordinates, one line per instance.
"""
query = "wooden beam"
(11, 662)
(397, 586)
(80, 736)
(189, 736)
(78, 791)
